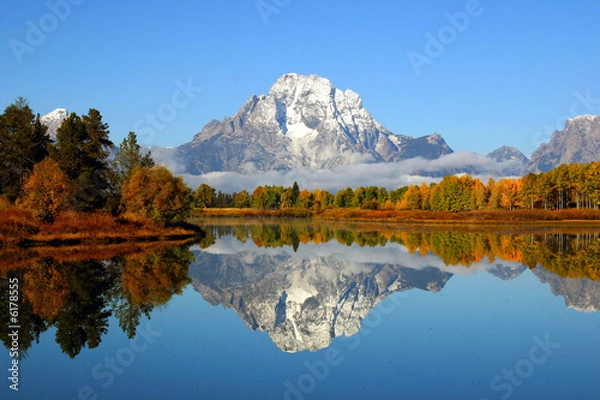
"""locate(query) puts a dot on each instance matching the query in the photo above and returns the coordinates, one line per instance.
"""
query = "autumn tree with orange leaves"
(46, 191)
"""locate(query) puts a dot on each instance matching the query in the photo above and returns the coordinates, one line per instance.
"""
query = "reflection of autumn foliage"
(573, 255)
(77, 295)
(32, 325)
(154, 279)
(46, 287)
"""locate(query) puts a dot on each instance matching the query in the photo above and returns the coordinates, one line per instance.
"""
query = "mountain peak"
(578, 142)
(290, 89)
(584, 117)
(304, 121)
(292, 81)
(53, 120)
(507, 153)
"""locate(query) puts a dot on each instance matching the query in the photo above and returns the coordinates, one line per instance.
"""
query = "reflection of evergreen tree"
(207, 241)
(79, 297)
(84, 319)
(31, 325)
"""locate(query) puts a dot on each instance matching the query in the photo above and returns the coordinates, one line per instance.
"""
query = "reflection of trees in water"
(84, 319)
(573, 255)
(31, 324)
(78, 297)
(147, 282)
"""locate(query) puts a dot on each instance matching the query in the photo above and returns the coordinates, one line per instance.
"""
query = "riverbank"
(15, 257)
(411, 216)
(19, 228)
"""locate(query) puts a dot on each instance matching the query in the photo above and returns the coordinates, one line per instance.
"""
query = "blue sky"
(509, 76)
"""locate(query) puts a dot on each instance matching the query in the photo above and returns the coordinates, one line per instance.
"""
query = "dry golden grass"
(410, 216)
(252, 213)
(19, 227)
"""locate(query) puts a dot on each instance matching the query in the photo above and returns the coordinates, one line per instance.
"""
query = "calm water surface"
(310, 311)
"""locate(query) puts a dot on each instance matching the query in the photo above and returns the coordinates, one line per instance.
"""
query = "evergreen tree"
(23, 143)
(130, 156)
(82, 151)
(295, 193)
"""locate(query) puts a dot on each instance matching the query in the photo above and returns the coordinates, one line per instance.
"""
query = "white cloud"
(389, 175)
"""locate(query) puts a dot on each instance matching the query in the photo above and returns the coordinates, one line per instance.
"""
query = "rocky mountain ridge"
(578, 142)
(305, 121)
(302, 121)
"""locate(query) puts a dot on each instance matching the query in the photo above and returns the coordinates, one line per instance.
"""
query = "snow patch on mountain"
(53, 120)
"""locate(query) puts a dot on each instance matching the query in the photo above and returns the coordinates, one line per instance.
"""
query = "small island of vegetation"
(72, 190)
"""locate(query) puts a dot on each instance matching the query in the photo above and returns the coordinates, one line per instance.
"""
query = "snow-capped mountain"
(302, 121)
(53, 120)
(579, 142)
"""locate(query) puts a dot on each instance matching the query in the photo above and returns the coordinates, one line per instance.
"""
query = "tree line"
(568, 186)
(81, 170)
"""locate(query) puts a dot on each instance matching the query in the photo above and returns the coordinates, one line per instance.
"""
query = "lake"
(308, 310)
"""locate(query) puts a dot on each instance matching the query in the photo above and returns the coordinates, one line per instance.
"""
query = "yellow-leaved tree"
(156, 194)
(46, 191)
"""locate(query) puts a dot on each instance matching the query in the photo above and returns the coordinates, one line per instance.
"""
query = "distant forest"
(568, 186)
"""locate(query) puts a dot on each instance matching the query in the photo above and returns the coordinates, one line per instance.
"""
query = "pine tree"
(82, 150)
(130, 156)
(23, 143)
(295, 193)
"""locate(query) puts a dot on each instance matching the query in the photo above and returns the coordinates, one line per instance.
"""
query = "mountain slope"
(579, 142)
(302, 121)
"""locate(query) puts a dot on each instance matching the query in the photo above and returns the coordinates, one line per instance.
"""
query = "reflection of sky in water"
(423, 345)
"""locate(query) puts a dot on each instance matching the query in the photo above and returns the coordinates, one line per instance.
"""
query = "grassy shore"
(18, 227)
(13, 257)
(412, 216)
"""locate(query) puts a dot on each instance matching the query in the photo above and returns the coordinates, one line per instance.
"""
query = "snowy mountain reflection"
(307, 284)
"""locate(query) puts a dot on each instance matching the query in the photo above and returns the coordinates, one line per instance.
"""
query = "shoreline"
(413, 217)
(18, 229)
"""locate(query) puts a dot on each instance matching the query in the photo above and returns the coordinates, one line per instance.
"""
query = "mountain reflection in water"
(304, 284)
(308, 284)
